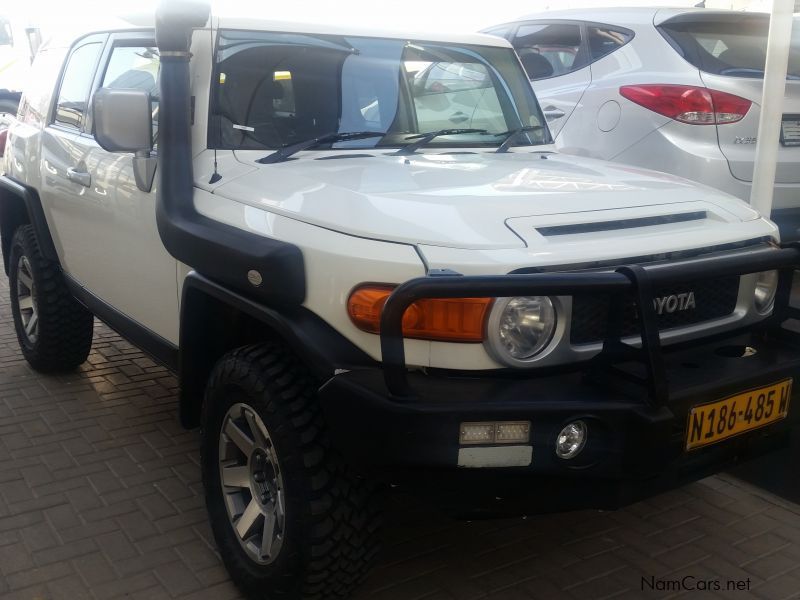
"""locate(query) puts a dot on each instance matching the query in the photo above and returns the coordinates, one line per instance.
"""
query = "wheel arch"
(20, 205)
(216, 320)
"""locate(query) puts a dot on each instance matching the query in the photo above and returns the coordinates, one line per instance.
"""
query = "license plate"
(790, 131)
(719, 420)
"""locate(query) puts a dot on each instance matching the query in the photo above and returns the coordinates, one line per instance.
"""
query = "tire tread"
(345, 510)
(65, 326)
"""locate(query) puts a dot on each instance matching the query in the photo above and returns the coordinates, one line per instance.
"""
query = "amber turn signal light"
(436, 319)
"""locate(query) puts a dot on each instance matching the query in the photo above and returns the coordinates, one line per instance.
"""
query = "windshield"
(274, 89)
(728, 44)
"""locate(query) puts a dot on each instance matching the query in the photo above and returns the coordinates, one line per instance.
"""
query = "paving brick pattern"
(100, 497)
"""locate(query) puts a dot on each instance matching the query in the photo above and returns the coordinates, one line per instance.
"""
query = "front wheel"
(289, 517)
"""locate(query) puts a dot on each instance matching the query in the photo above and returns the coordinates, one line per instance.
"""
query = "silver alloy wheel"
(251, 483)
(26, 300)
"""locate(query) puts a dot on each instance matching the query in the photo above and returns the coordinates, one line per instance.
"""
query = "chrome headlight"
(766, 286)
(520, 328)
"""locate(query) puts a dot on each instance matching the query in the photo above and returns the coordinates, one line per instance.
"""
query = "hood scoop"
(344, 156)
(627, 227)
(617, 224)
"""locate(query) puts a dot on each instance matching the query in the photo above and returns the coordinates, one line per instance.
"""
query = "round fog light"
(571, 440)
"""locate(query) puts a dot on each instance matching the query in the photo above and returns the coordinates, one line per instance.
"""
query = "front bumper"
(404, 426)
(633, 449)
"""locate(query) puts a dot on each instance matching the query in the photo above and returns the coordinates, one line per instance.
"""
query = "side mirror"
(122, 120)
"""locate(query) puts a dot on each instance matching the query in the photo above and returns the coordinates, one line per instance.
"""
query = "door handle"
(553, 112)
(80, 177)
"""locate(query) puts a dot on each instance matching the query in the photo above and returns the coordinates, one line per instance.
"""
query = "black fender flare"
(20, 205)
(203, 341)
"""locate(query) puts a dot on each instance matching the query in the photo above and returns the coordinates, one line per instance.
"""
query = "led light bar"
(494, 432)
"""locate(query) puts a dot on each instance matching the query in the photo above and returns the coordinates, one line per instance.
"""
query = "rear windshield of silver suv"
(734, 45)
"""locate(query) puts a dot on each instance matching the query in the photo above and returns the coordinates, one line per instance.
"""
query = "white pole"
(769, 124)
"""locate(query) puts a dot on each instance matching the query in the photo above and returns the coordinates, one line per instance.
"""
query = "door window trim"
(79, 43)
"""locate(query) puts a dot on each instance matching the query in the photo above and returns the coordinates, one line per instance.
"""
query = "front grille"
(714, 299)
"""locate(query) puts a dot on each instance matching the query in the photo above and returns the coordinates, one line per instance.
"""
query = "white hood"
(462, 200)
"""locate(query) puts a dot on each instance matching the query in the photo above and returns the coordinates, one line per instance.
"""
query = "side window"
(283, 102)
(74, 92)
(549, 50)
(135, 67)
(604, 40)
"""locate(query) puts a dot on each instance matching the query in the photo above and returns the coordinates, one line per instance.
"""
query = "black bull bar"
(640, 279)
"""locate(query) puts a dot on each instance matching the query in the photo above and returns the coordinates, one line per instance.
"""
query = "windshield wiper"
(424, 138)
(512, 135)
(329, 138)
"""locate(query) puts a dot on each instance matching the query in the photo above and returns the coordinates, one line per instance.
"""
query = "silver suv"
(677, 90)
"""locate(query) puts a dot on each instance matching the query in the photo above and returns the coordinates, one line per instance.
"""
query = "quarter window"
(604, 40)
(549, 50)
(74, 92)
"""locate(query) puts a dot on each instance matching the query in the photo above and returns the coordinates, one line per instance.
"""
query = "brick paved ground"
(100, 498)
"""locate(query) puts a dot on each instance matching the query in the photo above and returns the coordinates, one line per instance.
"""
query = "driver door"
(106, 224)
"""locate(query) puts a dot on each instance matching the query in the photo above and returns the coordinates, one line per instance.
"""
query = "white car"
(18, 44)
(676, 90)
(356, 284)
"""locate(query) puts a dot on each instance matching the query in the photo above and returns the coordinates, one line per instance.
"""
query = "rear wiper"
(424, 138)
(329, 138)
(512, 135)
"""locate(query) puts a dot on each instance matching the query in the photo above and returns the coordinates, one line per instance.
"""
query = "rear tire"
(287, 491)
(53, 329)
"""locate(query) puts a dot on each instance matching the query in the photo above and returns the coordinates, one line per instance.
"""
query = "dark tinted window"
(549, 50)
(75, 85)
(604, 40)
(732, 45)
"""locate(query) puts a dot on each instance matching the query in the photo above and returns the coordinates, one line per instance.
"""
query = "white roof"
(621, 15)
(72, 31)
(478, 39)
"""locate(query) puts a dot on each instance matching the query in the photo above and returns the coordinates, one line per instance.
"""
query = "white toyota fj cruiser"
(366, 262)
